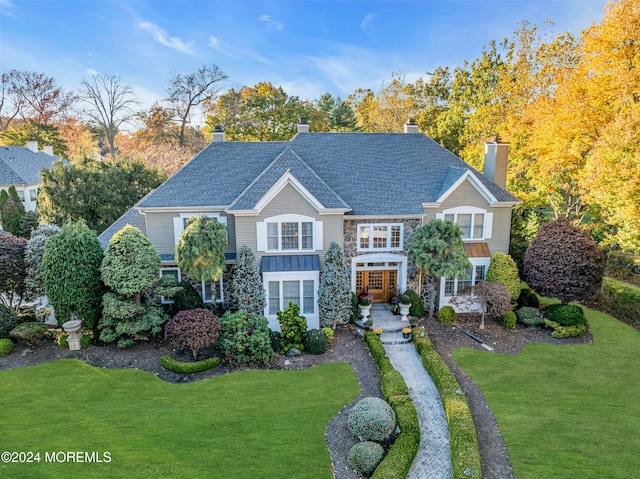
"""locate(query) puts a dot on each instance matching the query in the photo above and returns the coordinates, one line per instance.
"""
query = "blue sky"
(307, 46)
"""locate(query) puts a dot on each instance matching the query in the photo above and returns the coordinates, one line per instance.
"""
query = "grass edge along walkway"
(255, 423)
(566, 410)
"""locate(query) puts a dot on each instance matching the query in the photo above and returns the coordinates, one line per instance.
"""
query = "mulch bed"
(347, 346)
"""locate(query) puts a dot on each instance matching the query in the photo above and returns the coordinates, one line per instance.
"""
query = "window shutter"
(178, 228)
(440, 216)
(488, 225)
(318, 237)
(261, 236)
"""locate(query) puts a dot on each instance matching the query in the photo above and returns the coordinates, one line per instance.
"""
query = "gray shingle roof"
(21, 166)
(373, 173)
(132, 217)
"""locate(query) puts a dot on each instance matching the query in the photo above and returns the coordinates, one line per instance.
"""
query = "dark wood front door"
(381, 284)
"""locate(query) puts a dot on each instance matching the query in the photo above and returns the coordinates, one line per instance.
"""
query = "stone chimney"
(33, 146)
(496, 155)
(303, 126)
(48, 149)
(411, 126)
(218, 135)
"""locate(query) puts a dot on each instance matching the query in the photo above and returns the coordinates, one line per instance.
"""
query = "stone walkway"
(433, 460)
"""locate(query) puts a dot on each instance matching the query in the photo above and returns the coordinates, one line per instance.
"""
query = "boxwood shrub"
(528, 298)
(8, 321)
(188, 368)
(508, 320)
(417, 305)
(372, 419)
(621, 297)
(365, 456)
(464, 441)
(447, 314)
(565, 314)
(315, 342)
(6, 346)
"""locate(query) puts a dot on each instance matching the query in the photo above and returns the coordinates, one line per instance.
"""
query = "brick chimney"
(411, 126)
(218, 135)
(496, 156)
(33, 146)
(48, 149)
(303, 126)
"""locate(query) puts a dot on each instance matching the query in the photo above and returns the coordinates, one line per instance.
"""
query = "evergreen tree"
(12, 271)
(247, 284)
(33, 259)
(334, 293)
(12, 211)
(503, 269)
(71, 273)
(438, 249)
(130, 268)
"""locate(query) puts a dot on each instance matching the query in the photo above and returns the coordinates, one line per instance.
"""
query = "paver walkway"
(433, 460)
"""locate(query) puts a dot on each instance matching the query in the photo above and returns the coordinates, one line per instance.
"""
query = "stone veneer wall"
(350, 246)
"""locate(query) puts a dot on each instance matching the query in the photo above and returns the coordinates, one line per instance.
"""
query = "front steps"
(390, 324)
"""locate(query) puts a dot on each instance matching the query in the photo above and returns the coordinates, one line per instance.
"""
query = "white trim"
(475, 182)
(487, 224)
(288, 179)
(399, 259)
(444, 300)
(178, 222)
(313, 320)
(179, 209)
(388, 246)
(262, 241)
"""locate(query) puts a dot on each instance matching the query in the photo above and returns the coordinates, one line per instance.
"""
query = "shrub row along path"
(433, 460)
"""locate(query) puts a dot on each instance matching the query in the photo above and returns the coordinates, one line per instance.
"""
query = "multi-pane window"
(281, 293)
(474, 275)
(471, 224)
(380, 237)
(290, 236)
(33, 195)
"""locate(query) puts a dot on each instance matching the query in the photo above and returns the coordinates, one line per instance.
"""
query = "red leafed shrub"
(564, 262)
(193, 329)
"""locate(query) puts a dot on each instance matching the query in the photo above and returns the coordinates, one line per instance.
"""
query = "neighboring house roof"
(369, 173)
(21, 166)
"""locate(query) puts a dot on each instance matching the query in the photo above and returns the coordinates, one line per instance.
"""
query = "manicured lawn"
(567, 411)
(249, 424)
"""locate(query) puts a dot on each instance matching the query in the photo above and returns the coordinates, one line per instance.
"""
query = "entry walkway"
(433, 460)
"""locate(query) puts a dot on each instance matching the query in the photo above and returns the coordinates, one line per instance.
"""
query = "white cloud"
(366, 24)
(234, 52)
(270, 24)
(91, 71)
(5, 5)
(161, 36)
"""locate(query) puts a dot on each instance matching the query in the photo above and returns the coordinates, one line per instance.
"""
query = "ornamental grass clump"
(194, 329)
(365, 456)
(372, 419)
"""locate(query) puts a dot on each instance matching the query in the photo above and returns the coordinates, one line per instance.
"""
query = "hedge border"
(621, 297)
(465, 454)
(398, 460)
(188, 368)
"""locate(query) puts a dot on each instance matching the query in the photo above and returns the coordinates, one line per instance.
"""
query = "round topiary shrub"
(315, 342)
(6, 346)
(417, 305)
(530, 316)
(508, 320)
(528, 298)
(365, 456)
(372, 419)
(447, 314)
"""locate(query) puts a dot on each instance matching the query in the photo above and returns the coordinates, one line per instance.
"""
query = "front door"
(381, 284)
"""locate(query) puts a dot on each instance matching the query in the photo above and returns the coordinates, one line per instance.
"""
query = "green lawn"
(567, 411)
(250, 424)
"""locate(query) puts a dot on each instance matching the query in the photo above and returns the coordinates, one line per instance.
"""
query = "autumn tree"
(564, 262)
(188, 91)
(110, 103)
(437, 249)
(200, 250)
(30, 130)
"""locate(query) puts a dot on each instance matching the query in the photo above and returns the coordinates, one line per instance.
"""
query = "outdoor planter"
(378, 331)
(406, 333)
(74, 338)
(364, 311)
(404, 311)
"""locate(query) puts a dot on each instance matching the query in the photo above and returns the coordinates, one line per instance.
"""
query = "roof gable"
(21, 166)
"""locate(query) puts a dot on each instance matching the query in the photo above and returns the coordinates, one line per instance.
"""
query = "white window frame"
(487, 226)
(444, 300)
(219, 292)
(388, 246)
(178, 222)
(262, 229)
(301, 276)
(164, 300)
